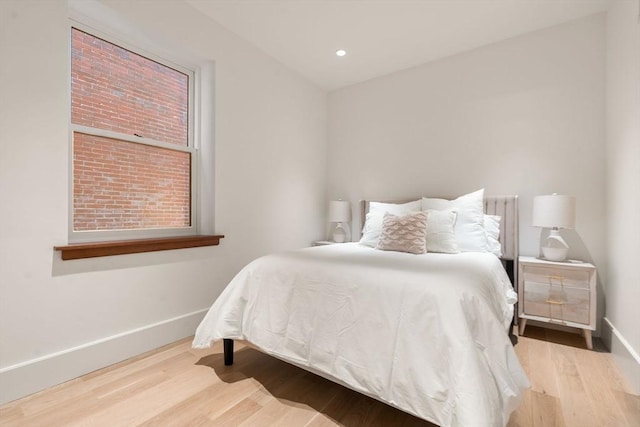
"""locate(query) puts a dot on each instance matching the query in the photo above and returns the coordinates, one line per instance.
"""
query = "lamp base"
(557, 248)
(339, 235)
(554, 254)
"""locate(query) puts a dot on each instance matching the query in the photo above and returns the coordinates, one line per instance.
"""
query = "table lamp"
(554, 212)
(339, 212)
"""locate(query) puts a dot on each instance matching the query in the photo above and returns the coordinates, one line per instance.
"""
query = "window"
(132, 143)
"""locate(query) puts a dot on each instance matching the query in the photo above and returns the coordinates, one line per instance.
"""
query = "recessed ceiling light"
(341, 52)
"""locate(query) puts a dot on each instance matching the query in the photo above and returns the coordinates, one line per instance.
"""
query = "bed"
(427, 334)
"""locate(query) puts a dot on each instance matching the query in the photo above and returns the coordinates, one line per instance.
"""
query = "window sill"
(122, 247)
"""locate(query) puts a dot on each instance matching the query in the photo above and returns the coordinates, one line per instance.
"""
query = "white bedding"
(424, 333)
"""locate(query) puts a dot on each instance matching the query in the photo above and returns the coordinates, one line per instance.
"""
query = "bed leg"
(513, 337)
(228, 351)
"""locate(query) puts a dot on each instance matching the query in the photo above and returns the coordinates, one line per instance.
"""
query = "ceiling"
(381, 36)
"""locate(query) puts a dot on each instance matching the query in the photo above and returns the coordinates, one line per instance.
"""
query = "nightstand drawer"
(559, 303)
(556, 276)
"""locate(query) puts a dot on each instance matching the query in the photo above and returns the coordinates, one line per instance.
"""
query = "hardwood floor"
(179, 386)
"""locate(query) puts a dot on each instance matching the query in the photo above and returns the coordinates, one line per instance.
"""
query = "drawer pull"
(560, 322)
(550, 301)
(557, 279)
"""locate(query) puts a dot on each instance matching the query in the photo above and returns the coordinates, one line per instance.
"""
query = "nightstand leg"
(587, 338)
(523, 324)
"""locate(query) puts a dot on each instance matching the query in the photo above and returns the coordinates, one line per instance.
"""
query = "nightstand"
(324, 242)
(563, 293)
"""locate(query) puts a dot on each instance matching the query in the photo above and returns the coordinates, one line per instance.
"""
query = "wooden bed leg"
(228, 351)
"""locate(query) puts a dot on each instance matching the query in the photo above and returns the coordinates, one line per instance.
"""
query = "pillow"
(373, 222)
(492, 229)
(440, 234)
(469, 228)
(403, 233)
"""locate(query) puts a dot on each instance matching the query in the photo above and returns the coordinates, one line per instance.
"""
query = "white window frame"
(192, 148)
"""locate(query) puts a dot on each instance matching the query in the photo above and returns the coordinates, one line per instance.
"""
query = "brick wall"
(122, 185)
(119, 184)
(115, 89)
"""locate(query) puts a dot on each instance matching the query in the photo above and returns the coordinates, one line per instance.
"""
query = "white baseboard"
(28, 377)
(626, 358)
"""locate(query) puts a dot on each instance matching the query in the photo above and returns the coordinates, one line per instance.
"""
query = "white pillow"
(403, 233)
(469, 228)
(373, 222)
(440, 232)
(492, 229)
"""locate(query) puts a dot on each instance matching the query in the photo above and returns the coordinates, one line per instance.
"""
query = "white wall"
(56, 317)
(623, 186)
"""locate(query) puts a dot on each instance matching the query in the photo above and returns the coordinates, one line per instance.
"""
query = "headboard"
(504, 206)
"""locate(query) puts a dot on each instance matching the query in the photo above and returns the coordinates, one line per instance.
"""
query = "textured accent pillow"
(469, 228)
(492, 229)
(403, 233)
(373, 221)
(440, 232)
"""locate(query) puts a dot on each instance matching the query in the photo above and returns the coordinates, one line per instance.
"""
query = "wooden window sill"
(91, 250)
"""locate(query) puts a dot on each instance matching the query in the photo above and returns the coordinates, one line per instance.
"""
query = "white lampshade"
(339, 211)
(554, 211)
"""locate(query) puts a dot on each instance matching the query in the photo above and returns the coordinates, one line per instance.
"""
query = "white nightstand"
(563, 293)
(324, 242)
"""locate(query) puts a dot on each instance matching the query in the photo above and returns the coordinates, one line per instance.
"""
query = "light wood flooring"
(179, 386)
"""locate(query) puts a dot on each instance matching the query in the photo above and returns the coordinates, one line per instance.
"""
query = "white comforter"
(424, 333)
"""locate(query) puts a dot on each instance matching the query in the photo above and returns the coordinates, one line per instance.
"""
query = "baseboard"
(625, 357)
(28, 377)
